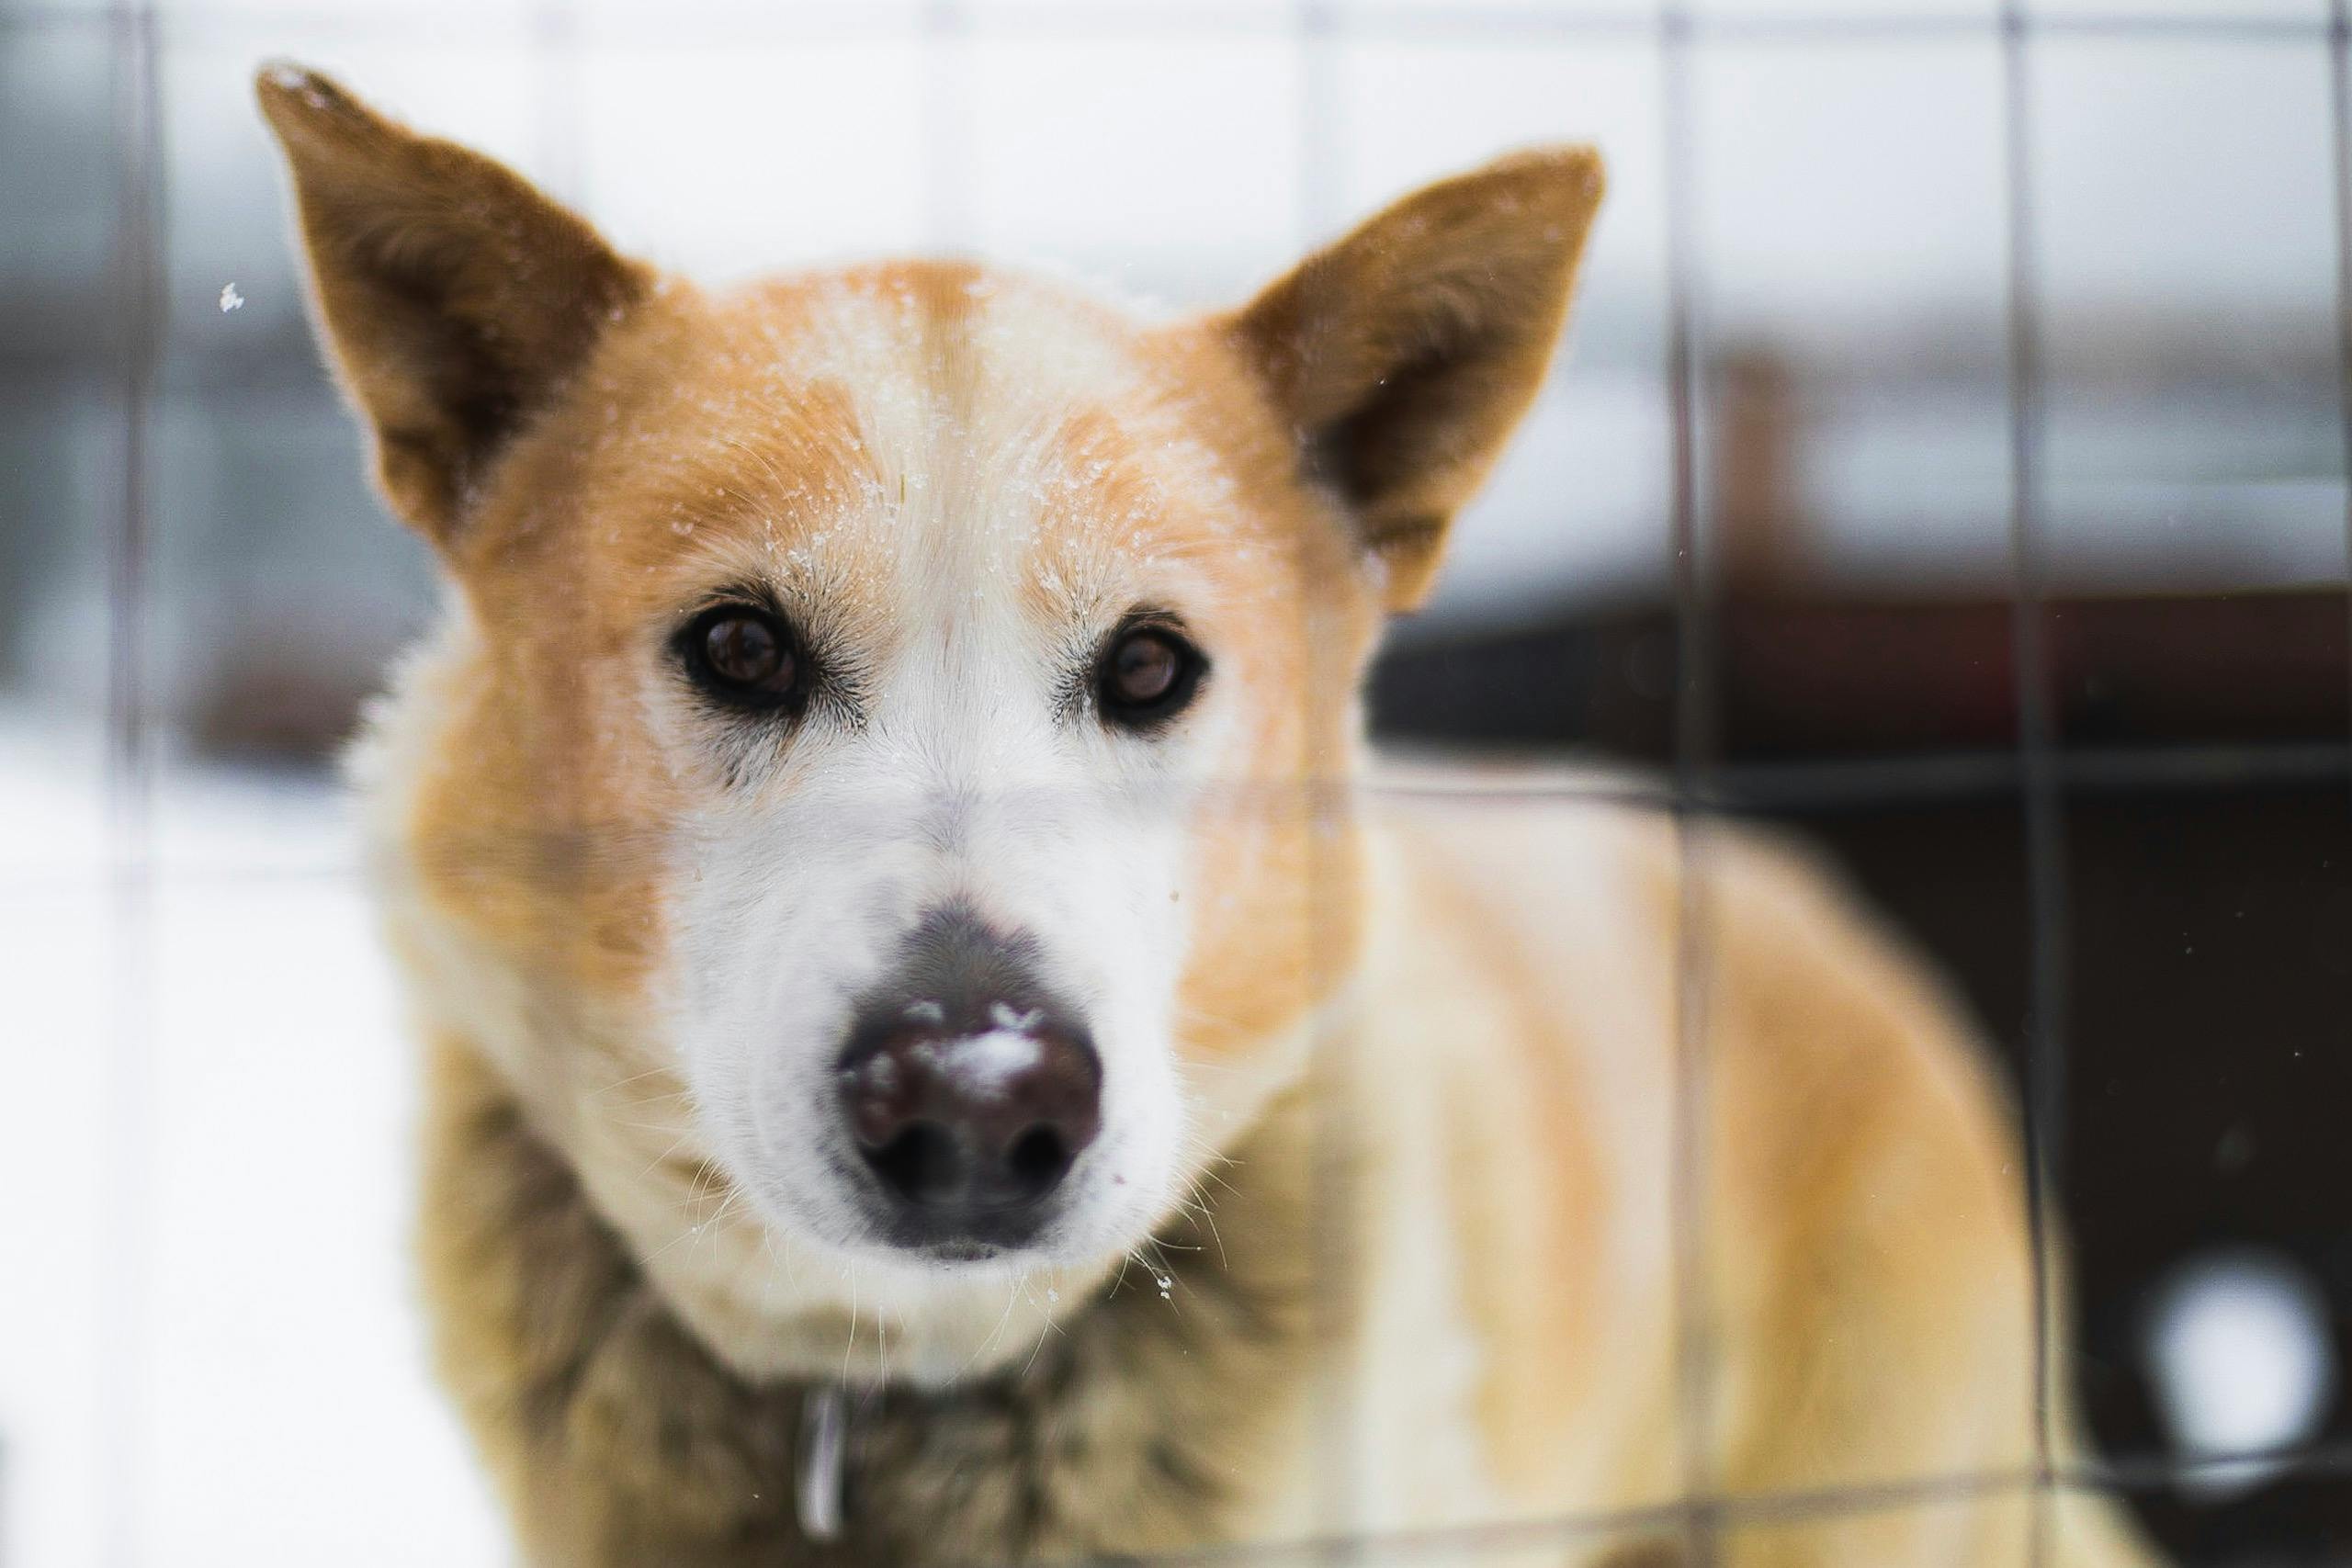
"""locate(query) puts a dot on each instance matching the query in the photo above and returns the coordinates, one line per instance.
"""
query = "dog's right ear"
(453, 297)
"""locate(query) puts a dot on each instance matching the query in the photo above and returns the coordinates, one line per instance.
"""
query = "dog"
(943, 1045)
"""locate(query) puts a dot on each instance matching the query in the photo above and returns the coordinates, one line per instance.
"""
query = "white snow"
(986, 1063)
(1004, 1017)
(238, 1375)
(230, 298)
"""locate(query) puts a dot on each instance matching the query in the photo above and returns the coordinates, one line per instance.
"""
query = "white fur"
(969, 781)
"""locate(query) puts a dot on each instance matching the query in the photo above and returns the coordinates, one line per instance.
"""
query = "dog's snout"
(970, 1090)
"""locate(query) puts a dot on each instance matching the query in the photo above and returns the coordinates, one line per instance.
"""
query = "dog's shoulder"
(1573, 970)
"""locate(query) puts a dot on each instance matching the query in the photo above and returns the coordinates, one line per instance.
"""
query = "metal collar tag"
(824, 1425)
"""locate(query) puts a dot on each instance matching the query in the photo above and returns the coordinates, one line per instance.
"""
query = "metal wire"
(1694, 728)
(2039, 772)
(2339, 136)
(1740, 1510)
(1336, 1464)
(946, 122)
(122, 1398)
(1067, 18)
(1793, 789)
(2037, 741)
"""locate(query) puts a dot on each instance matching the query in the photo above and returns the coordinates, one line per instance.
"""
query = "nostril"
(1038, 1160)
(923, 1164)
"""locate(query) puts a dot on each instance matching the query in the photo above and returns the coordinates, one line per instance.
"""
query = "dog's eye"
(1146, 674)
(742, 655)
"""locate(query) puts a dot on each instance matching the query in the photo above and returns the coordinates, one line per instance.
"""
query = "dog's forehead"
(921, 342)
(839, 435)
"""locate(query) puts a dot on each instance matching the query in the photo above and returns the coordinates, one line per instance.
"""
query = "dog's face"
(959, 665)
(909, 707)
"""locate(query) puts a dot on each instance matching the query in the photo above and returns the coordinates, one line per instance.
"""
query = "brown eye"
(742, 655)
(1146, 674)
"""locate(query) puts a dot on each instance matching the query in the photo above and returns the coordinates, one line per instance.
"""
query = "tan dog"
(878, 847)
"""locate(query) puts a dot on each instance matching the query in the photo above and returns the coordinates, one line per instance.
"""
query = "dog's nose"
(969, 1092)
(973, 1124)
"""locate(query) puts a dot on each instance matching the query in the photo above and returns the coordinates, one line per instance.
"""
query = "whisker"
(1047, 1326)
(656, 1127)
(664, 1156)
(850, 1343)
(1011, 1296)
(624, 1083)
(1199, 1213)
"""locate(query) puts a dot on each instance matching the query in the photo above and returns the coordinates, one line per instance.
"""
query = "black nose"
(968, 1089)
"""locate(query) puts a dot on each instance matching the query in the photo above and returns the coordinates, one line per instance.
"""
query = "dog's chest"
(1149, 1422)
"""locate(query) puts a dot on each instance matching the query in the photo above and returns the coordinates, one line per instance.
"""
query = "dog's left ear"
(1405, 354)
(455, 298)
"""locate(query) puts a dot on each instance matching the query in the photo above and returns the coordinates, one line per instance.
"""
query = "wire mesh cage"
(1949, 466)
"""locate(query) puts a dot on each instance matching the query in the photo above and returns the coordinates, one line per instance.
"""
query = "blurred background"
(1949, 464)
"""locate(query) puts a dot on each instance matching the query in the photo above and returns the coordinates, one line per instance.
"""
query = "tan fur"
(1426, 1277)
(1407, 351)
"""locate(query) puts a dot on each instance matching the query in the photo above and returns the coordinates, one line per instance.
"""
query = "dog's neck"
(622, 1431)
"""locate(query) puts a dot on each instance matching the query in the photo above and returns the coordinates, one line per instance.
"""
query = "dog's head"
(909, 707)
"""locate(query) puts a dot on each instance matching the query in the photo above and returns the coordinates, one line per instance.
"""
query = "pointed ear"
(1405, 354)
(453, 296)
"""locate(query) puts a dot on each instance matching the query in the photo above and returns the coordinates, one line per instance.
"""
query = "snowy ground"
(208, 1350)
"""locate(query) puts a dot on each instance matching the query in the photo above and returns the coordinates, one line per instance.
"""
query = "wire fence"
(1702, 786)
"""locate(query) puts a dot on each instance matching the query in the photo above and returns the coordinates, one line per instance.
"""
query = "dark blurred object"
(276, 698)
(1813, 679)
